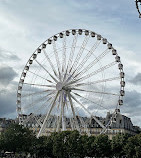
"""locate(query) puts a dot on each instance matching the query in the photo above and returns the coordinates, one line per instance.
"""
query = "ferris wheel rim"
(40, 48)
(137, 6)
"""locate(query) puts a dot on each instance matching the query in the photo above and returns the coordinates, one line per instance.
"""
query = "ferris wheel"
(74, 75)
(138, 4)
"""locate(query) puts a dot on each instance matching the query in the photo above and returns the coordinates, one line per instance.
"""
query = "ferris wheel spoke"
(47, 71)
(50, 62)
(84, 90)
(46, 106)
(100, 123)
(98, 81)
(90, 52)
(71, 55)
(72, 108)
(64, 54)
(98, 71)
(36, 93)
(32, 84)
(40, 76)
(37, 110)
(48, 114)
(80, 52)
(89, 100)
(37, 101)
(72, 51)
(93, 73)
(57, 59)
(93, 63)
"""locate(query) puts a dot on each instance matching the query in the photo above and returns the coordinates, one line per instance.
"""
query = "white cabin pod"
(117, 111)
(117, 58)
(34, 56)
(24, 74)
(30, 61)
(67, 33)
(122, 74)
(18, 102)
(109, 45)
(114, 51)
(120, 102)
(21, 80)
(92, 34)
(104, 41)
(98, 37)
(114, 119)
(80, 32)
(26, 67)
(18, 109)
(122, 83)
(55, 38)
(49, 41)
(122, 92)
(38, 50)
(73, 32)
(86, 32)
(120, 66)
(18, 94)
(61, 35)
(43, 46)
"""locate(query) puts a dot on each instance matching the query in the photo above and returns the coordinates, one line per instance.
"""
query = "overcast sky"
(25, 24)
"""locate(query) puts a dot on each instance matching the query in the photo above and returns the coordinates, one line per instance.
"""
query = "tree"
(102, 146)
(42, 147)
(118, 144)
(16, 138)
(133, 147)
(88, 145)
(58, 144)
(67, 144)
(74, 144)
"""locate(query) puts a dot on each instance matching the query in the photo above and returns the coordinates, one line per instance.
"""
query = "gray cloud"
(136, 80)
(93, 15)
(132, 106)
(7, 74)
(7, 103)
(6, 55)
(132, 99)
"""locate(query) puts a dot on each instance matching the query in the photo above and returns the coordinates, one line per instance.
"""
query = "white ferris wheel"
(74, 75)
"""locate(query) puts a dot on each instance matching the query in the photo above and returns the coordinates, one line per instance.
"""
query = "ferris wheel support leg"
(63, 117)
(47, 116)
(75, 119)
(58, 122)
(89, 113)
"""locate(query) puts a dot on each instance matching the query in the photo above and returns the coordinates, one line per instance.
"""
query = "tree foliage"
(16, 139)
(133, 147)
(118, 144)
(69, 144)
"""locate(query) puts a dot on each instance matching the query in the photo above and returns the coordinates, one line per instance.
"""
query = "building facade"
(120, 124)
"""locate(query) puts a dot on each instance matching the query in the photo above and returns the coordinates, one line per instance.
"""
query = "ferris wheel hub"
(59, 86)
